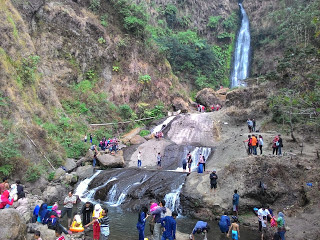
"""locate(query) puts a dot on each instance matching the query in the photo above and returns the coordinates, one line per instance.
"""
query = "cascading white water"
(165, 122)
(82, 189)
(240, 69)
(173, 199)
(122, 196)
(195, 153)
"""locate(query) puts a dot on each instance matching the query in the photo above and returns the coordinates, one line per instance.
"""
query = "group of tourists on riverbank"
(10, 194)
(213, 107)
(255, 141)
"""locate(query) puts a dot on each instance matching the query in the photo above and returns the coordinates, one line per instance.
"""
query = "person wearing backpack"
(53, 223)
(275, 144)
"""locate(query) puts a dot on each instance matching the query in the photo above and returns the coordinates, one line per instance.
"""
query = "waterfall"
(122, 196)
(82, 189)
(173, 200)
(205, 151)
(240, 69)
(159, 127)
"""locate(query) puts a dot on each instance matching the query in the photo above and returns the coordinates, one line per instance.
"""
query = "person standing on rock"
(280, 145)
(254, 142)
(139, 159)
(262, 212)
(275, 145)
(253, 125)
(159, 160)
(87, 210)
(184, 164)
(68, 202)
(213, 180)
(249, 141)
(189, 161)
(85, 138)
(250, 124)
(200, 164)
(235, 202)
(260, 141)
(158, 214)
(103, 223)
(281, 225)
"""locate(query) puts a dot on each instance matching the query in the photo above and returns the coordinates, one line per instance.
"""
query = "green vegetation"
(126, 112)
(213, 22)
(133, 17)
(33, 173)
(144, 79)
(297, 103)
(51, 176)
(28, 69)
(144, 133)
(101, 40)
(103, 20)
(95, 5)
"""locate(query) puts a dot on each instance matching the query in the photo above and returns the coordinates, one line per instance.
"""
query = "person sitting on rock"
(5, 199)
(76, 222)
(3, 184)
(200, 227)
(37, 235)
(23, 205)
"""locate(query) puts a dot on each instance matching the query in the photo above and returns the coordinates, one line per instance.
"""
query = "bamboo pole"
(105, 124)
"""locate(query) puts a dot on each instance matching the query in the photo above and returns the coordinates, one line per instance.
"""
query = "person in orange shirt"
(254, 144)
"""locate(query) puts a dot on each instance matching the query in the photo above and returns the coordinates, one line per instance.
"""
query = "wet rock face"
(195, 130)
(137, 186)
(12, 225)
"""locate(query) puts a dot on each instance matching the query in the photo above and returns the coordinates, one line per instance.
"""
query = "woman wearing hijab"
(281, 225)
(275, 144)
(143, 215)
(5, 199)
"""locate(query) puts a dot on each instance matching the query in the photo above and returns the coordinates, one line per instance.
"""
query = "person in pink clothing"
(5, 199)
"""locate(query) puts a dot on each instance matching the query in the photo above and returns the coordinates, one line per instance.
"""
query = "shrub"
(126, 112)
(84, 86)
(51, 176)
(144, 133)
(103, 20)
(144, 79)
(27, 70)
(75, 149)
(33, 173)
(213, 21)
(94, 5)
(101, 40)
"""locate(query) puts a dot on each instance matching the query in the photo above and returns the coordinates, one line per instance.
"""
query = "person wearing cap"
(234, 229)
(213, 179)
(169, 223)
(200, 227)
(97, 214)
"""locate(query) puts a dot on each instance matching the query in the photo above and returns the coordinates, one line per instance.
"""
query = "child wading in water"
(234, 229)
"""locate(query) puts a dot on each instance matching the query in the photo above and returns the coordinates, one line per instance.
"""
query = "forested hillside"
(66, 64)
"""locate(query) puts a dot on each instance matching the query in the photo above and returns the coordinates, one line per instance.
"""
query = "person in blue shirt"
(169, 223)
(143, 215)
(235, 202)
(224, 223)
(200, 227)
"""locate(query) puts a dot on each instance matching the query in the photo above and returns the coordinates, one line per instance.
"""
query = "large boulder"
(127, 137)
(137, 139)
(12, 225)
(179, 104)
(70, 164)
(46, 233)
(208, 97)
(54, 193)
(113, 161)
(85, 172)
(59, 173)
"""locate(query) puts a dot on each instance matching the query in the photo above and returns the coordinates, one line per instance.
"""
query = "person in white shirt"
(261, 213)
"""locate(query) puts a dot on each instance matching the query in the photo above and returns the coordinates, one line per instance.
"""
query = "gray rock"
(207, 97)
(36, 191)
(46, 233)
(109, 160)
(84, 172)
(137, 139)
(12, 225)
(70, 164)
(59, 172)
(179, 104)
(54, 193)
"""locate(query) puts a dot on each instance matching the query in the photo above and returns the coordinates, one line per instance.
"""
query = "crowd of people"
(213, 107)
